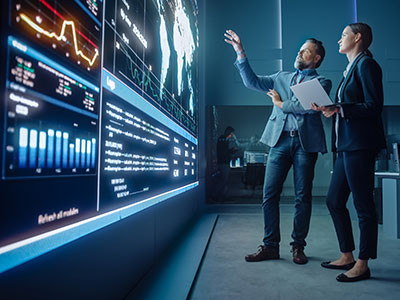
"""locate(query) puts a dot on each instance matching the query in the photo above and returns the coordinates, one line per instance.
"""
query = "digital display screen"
(100, 114)
(140, 154)
(155, 53)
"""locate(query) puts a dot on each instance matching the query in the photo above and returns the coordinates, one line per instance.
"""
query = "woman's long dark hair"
(366, 35)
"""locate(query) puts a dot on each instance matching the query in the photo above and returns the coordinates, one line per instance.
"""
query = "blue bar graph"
(77, 152)
(58, 149)
(23, 147)
(50, 148)
(42, 149)
(88, 152)
(83, 153)
(33, 135)
(71, 155)
(65, 150)
(46, 149)
(93, 153)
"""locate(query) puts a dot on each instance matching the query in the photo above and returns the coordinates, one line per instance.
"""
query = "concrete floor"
(224, 274)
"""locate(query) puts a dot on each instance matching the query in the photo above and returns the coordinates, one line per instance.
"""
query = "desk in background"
(390, 202)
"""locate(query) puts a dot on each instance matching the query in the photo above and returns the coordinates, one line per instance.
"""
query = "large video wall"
(99, 115)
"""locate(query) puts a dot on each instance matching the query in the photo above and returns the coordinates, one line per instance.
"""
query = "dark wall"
(383, 17)
(257, 23)
(272, 31)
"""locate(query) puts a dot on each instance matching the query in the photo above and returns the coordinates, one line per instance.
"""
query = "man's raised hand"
(232, 38)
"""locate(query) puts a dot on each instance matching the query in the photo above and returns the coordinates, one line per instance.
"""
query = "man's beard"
(301, 65)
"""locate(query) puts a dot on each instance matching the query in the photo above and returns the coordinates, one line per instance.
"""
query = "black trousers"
(354, 172)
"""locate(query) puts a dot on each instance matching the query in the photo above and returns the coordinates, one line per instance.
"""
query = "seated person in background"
(226, 147)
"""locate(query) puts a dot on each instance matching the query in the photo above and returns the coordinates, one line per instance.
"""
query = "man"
(295, 136)
(225, 151)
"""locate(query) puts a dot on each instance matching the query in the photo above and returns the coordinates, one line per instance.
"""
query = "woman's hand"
(327, 111)
(276, 98)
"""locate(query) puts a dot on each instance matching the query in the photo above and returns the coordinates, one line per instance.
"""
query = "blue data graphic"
(143, 152)
(45, 138)
(49, 106)
(55, 149)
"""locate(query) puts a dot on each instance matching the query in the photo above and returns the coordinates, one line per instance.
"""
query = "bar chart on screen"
(54, 149)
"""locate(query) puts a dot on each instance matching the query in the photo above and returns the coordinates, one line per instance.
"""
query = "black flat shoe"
(344, 278)
(328, 265)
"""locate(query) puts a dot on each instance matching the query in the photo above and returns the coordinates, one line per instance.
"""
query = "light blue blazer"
(311, 131)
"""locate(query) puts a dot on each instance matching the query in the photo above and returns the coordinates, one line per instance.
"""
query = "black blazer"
(361, 128)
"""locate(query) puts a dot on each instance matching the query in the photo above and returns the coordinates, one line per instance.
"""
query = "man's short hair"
(228, 131)
(320, 50)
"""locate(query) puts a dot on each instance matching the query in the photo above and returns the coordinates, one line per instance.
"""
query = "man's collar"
(306, 72)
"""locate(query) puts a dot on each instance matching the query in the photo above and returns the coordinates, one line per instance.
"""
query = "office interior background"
(122, 260)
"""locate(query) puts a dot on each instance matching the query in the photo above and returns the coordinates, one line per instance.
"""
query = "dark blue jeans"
(286, 153)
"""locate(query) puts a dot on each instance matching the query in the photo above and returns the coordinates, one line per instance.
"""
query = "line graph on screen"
(62, 36)
(61, 30)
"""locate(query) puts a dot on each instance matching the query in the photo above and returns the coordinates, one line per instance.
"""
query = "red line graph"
(61, 36)
(62, 18)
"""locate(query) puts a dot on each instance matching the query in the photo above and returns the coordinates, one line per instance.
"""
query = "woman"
(357, 137)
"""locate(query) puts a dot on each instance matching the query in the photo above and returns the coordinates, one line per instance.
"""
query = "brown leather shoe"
(298, 255)
(263, 253)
